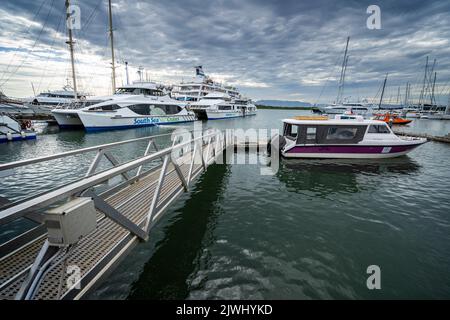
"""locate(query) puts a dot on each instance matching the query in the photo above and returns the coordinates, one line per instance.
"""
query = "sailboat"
(137, 105)
(340, 106)
(45, 102)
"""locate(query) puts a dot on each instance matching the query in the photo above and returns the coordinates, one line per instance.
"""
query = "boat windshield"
(137, 91)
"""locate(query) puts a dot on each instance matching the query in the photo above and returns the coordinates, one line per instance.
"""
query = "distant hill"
(284, 103)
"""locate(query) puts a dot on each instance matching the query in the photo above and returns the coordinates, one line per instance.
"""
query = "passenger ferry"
(67, 118)
(130, 112)
(218, 105)
(200, 86)
(346, 136)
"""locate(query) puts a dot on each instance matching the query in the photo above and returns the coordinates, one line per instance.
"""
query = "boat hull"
(214, 115)
(67, 120)
(93, 122)
(350, 152)
(17, 137)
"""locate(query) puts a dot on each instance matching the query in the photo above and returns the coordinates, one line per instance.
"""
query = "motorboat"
(130, 111)
(12, 130)
(68, 119)
(201, 85)
(219, 105)
(392, 118)
(356, 108)
(45, 102)
(346, 136)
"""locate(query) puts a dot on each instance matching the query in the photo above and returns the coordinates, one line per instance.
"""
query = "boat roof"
(141, 85)
(315, 120)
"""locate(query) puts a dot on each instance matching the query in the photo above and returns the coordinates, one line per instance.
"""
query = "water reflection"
(325, 176)
(165, 274)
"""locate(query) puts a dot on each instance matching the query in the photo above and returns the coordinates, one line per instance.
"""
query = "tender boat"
(133, 111)
(12, 130)
(218, 105)
(392, 118)
(346, 136)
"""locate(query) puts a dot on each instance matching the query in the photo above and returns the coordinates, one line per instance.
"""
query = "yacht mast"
(433, 100)
(70, 42)
(342, 77)
(424, 82)
(111, 35)
(382, 92)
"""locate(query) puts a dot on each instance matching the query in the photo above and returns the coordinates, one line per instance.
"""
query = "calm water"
(308, 232)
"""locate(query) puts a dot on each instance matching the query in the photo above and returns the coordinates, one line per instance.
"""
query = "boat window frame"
(322, 133)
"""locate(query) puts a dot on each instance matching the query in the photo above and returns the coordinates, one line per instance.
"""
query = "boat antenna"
(126, 72)
(382, 91)
(70, 42)
(342, 77)
(111, 35)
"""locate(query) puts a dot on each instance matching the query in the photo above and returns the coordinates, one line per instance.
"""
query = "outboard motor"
(281, 143)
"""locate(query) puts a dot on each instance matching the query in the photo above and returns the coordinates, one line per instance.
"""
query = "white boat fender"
(9, 136)
(23, 134)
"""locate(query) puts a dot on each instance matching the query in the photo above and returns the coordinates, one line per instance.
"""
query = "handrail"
(25, 162)
(43, 200)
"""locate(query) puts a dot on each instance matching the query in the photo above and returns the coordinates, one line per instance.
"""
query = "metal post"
(147, 150)
(156, 194)
(95, 163)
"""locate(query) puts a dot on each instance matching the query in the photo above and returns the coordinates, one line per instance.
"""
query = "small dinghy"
(12, 130)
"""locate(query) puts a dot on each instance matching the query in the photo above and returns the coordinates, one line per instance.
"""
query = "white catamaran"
(218, 105)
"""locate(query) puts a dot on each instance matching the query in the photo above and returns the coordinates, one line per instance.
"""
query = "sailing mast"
(70, 42)
(433, 100)
(111, 35)
(382, 92)
(343, 71)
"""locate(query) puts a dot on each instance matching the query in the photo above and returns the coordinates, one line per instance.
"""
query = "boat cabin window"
(311, 133)
(108, 107)
(224, 107)
(290, 131)
(379, 129)
(330, 134)
(341, 133)
(160, 110)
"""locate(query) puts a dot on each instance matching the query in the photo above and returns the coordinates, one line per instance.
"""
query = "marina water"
(308, 232)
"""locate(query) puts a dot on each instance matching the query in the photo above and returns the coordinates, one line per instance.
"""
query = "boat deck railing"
(34, 266)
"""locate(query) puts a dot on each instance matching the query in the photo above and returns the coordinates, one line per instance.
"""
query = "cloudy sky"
(270, 49)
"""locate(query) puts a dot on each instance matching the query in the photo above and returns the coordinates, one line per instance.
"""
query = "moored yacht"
(130, 111)
(200, 86)
(45, 102)
(363, 109)
(218, 105)
(66, 118)
(346, 136)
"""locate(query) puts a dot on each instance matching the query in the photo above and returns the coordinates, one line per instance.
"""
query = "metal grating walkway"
(147, 195)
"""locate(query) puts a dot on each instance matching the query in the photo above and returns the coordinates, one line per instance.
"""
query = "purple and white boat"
(343, 137)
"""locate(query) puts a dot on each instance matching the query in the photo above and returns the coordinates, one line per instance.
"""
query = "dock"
(45, 262)
(443, 139)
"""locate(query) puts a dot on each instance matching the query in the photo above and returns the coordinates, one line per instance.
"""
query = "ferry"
(346, 136)
(130, 112)
(67, 118)
(200, 86)
(218, 105)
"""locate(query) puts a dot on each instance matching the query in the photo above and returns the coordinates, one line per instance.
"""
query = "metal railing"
(201, 146)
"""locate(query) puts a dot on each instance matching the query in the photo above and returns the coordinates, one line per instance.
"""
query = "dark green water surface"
(308, 232)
